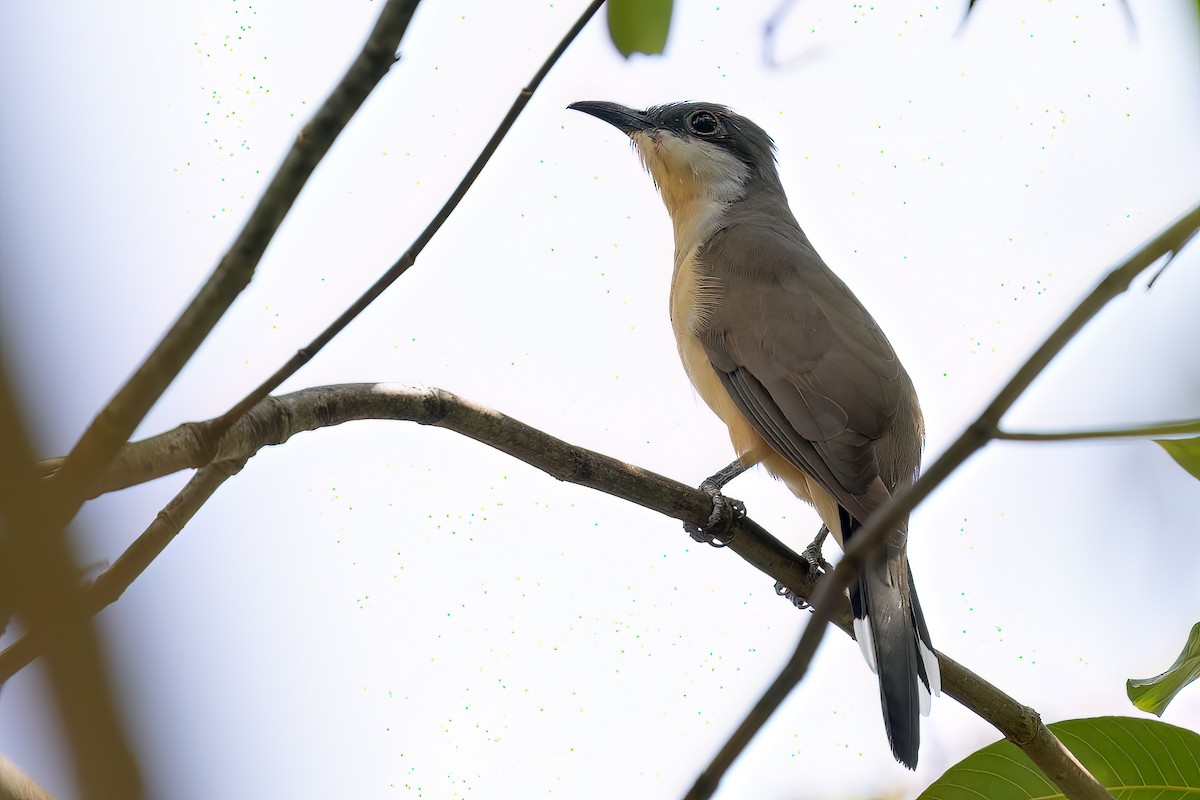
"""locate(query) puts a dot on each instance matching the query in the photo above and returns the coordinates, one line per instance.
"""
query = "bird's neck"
(697, 180)
(695, 216)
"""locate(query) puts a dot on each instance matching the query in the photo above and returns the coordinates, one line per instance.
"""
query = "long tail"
(891, 631)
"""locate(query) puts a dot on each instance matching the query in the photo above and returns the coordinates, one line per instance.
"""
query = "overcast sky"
(383, 610)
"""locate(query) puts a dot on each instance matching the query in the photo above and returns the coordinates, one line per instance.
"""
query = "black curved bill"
(625, 119)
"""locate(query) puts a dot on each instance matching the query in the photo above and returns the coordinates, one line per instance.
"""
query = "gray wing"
(809, 367)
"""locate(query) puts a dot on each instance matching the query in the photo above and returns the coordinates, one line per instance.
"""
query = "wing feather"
(808, 365)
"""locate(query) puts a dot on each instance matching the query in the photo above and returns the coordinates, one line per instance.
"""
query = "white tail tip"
(862, 632)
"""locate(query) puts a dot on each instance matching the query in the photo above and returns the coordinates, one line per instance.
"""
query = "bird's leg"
(812, 553)
(725, 509)
(816, 564)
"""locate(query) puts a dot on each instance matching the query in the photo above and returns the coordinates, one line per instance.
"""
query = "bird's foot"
(816, 565)
(726, 511)
(793, 598)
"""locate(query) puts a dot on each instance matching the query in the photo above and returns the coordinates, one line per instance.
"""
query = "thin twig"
(884, 520)
(113, 426)
(1140, 432)
(304, 355)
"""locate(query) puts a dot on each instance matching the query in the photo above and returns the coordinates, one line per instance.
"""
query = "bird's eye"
(704, 123)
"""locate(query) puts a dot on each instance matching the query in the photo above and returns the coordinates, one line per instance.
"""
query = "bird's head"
(695, 151)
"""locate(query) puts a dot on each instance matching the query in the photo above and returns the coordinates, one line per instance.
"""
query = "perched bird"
(789, 359)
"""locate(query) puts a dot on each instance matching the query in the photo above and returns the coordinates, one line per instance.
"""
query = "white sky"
(382, 610)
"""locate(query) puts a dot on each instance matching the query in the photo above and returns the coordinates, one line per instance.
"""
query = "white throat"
(697, 181)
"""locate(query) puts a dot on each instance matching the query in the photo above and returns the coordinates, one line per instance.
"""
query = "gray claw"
(793, 598)
(726, 511)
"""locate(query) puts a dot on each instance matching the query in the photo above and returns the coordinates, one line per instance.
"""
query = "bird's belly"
(688, 317)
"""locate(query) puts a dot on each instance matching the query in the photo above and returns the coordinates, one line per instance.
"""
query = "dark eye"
(704, 123)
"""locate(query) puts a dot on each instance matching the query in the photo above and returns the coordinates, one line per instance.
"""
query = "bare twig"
(113, 426)
(303, 356)
(1139, 432)
(883, 521)
(184, 447)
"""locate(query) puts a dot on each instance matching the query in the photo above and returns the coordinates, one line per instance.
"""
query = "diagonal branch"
(113, 426)
(877, 527)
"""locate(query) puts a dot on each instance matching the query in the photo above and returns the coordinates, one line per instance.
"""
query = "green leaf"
(1154, 694)
(1185, 451)
(1135, 759)
(639, 26)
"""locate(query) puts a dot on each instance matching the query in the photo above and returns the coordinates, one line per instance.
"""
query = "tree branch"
(277, 419)
(113, 426)
(883, 521)
(1140, 432)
